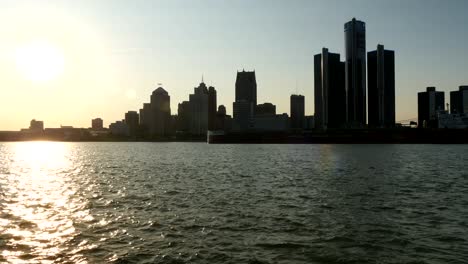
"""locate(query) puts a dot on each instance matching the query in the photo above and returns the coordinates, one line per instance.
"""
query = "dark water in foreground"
(198, 203)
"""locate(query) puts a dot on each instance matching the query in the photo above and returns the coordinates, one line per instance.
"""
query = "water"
(198, 203)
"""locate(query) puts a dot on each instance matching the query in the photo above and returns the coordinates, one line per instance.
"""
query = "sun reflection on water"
(39, 207)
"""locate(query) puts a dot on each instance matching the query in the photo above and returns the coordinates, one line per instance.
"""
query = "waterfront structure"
(381, 87)
(133, 122)
(246, 88)
(160, 113)
(97, 124)
(297, 111)
(329, 90)
(265, 109)
(452, 120)
(271, 123)
(355, 70)
(429, 103)
(459, 100)
(36, 126)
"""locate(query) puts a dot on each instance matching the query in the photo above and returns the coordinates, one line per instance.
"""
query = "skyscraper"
(132, 121)
(329, 90)
(199, 109)
(297, 111)
(242, 115)
(459, 101)
(381, 87)
(429, 103)
(246, 100)
(355, 52)
(145, 117)
(212, 104)
(160, 112)
(183, 116)
(246, 87)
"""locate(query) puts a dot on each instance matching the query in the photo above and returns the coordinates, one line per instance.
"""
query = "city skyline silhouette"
(115, 75)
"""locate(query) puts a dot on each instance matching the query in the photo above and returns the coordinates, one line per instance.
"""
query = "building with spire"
(202, 109)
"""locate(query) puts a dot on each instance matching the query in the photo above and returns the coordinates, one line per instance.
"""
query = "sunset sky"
(66, 62)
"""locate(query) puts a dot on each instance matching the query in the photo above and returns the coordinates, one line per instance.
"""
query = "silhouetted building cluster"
(356, 93)
(432, 112)
(340, 87)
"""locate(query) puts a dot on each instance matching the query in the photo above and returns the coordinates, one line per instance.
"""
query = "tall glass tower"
(355, 52)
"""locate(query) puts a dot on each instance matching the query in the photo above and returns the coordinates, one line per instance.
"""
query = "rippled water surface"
(199, 203)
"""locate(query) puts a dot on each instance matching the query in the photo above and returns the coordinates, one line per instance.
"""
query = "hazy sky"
(66, 62)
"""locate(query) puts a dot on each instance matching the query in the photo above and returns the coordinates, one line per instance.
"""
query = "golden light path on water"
(39, 205)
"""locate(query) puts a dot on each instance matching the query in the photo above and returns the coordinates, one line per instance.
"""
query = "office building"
(223, 121)
(36, 126)
(119, 128)
(145, 117)
(430, 103)
(381, 87)
(183, 117)
(265, 109)
(97, 124)
(199, 115)
(459, 101)
(160, 113)
(270, 123)
(329, 91)
(246, 88)
(133, 122)
(246, 100)
(212, 104)
(297, 111)
(242, 115)
(355, 70)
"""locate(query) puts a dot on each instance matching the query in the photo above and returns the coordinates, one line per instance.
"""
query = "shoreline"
(363, 136)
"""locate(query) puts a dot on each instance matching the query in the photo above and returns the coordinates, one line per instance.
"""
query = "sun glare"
(39, 61)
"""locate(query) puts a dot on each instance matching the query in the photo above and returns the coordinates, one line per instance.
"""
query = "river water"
(199, 203)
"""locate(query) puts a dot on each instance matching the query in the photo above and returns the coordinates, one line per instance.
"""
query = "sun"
(40, 61)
